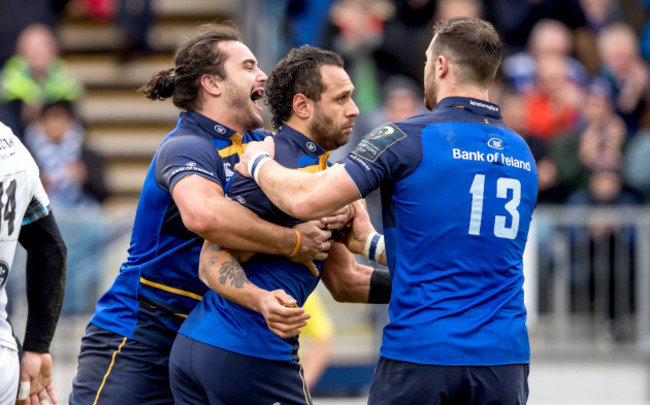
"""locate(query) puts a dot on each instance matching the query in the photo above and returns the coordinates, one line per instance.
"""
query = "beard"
(239, 101)
(430, 93)
(325, 133)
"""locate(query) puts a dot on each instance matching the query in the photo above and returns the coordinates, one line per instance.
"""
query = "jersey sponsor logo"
(192, 167)
(376, 142)
(4, 273)
(219, 129)
(495, 143)
(490, 107)
(311, 146)
(495, 157)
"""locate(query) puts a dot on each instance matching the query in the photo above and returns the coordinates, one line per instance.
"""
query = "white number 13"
(503, 185)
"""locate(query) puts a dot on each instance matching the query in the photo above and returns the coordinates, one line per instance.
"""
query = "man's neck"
(300, 125)
(467, 91)
(222, 117)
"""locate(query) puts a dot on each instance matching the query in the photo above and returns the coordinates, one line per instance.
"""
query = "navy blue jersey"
(158, 285)
(222, 323)
(458, 192)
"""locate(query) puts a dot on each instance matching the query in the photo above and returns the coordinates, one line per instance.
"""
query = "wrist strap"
(374, 246)
(256, 163)
(297, 248)
(381, 246)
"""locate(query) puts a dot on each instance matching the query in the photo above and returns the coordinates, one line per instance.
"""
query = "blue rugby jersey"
(458, 192)
(158, 285)
(222, 323)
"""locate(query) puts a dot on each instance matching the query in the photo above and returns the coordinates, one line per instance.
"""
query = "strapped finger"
(42, 398)
(23, 390)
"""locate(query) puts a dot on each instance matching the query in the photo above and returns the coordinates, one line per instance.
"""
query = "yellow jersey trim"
(171, 289)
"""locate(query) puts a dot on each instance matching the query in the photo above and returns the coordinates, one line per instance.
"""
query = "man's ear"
(442, 66)
(211, 84)
(302, 106)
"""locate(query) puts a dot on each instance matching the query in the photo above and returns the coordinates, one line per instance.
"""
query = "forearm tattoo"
(229, 270)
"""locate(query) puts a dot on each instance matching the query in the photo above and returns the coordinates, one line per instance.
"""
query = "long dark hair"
(195, 57)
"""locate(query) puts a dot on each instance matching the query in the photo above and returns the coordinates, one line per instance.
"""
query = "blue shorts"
(115, 370)
(204, 374)
(401, 383)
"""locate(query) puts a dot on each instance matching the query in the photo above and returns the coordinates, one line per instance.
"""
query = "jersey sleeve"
(385, 155)
(183, 155)
(39, 204)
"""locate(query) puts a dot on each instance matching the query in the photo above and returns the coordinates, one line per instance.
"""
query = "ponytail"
(160, 86)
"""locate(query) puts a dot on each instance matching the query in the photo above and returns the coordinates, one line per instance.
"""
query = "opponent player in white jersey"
(25, 217)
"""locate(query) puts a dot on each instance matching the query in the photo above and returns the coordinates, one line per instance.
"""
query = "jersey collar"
(310, 147)
(210, 126)
(471, 104)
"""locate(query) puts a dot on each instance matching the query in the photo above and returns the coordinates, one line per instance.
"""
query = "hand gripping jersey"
(222, 323)
(458, 192)
(22, 201)
(158, 285)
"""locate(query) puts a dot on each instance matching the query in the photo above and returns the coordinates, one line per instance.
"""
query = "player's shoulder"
(183, 140)
(12, 148)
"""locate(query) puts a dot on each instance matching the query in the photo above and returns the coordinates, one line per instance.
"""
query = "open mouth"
(256, 95)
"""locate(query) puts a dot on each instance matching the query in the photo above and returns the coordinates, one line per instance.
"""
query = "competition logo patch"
(4, 273)
(495, 143)
(381, 132)
(376, 142)
(219, 129)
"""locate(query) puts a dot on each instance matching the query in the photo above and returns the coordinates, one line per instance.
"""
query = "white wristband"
(256, 163)
(374, 245)
(381, 246)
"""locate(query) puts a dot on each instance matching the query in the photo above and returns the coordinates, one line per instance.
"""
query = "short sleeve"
(385, 155)
(39, 204)
(183, 155)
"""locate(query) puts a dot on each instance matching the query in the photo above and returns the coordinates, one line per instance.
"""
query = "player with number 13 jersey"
(464, 275)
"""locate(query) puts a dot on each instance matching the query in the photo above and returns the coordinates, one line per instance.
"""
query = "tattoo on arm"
(230, 270)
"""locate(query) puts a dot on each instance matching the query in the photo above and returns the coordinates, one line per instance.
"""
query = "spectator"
(626, 73)
(135, 18)
(33, 77)
(515, 19)
(411, 19)
(602, 141)
(552, 106)
(607, 243)
(71, 173)
(448, 9)
(637, 164)
(306, 20)
(355, 30)
(551, 189)
(73, 177)
(548, 37)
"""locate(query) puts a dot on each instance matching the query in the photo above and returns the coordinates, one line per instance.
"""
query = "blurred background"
(575, 83)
